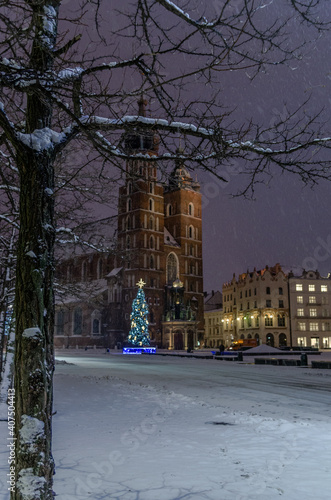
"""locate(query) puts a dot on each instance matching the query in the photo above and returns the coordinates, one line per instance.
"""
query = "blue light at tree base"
(139, 350)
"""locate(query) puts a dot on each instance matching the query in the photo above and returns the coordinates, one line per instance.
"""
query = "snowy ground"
(164, 428)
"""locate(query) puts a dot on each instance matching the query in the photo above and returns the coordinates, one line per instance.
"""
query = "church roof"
(169, 239)
(114, 272)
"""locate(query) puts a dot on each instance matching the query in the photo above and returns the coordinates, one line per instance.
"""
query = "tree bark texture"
(34, 301)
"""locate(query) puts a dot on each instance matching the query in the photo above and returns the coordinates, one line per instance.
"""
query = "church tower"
(160, 242)
(183, 325)
(141, 226)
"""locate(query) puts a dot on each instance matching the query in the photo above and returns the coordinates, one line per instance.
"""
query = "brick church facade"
(159, 240)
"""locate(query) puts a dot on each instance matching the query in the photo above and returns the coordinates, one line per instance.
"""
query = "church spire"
(142, 103)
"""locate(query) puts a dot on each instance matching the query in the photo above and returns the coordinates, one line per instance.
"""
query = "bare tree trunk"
(34, 301)
(34, 362)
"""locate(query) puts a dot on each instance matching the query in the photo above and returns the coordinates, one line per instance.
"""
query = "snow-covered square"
(169, 428)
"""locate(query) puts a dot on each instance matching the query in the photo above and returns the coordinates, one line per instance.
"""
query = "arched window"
(129, 205)
(128, 242)
(151, 222)
(151, 242)
(151, 262)
(169, 210)
(172, 267)
(191, 232)
(84, 271)
(96, 322)
(100, 269)
(151, 187)
(59, 325)
(191, 209)
(69, 272)
(281, 319)
(151, 205)
(129, 188)
(78, 321)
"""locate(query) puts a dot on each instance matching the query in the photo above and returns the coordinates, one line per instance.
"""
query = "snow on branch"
(42, 139)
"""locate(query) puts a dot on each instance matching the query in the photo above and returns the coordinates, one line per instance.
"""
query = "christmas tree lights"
(139, 335)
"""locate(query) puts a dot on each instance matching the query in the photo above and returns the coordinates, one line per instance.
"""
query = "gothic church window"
(78, 321)
(151, 205)
(151, 242)
(151, 262)
(190, 209)
(172, 268)
(100, 269)
(169, 210)
(59, 322)
(96, 322)
(84, 271)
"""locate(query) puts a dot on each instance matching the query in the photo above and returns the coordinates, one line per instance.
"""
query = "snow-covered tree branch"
(70, 75)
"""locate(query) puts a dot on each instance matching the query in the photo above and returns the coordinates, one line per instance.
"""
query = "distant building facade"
(213, 320)
(256, 306)
(277, 309)
(310, 302)
(159, 240)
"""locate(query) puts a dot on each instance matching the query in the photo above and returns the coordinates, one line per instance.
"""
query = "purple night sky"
(287, 222)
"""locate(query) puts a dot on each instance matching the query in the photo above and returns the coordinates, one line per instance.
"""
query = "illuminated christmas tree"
(138, 335)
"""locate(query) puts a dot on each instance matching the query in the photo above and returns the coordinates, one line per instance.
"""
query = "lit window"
(326, 342)
(300, 312)
(300, 299)
(311, 288)
(268, 321)
(302, 326)
(312, 312)
(324, 288)
(302, 341)
(298, 287)
(313, 327)
(312, 299)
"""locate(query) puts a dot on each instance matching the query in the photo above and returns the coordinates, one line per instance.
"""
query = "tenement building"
(256, 307)
(278, 309)
(310, 300)
(159, 240)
